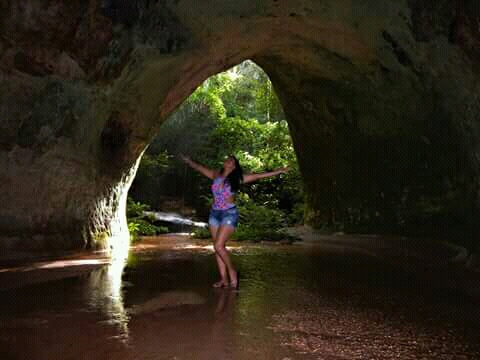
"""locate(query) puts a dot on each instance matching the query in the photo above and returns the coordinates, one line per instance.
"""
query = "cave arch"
(80, 105)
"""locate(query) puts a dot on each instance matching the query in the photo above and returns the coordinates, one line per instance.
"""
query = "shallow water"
(295, 302)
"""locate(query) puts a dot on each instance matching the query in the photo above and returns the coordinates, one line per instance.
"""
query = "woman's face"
(229, 164)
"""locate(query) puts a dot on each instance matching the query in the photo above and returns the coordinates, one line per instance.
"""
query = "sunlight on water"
(105, 291)
(57, 264)
(117, 309)
(68, 263)
(294, 302)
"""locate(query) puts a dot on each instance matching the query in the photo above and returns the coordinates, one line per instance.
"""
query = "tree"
(235, 112)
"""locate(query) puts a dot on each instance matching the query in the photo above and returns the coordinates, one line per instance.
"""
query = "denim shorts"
(223, 217)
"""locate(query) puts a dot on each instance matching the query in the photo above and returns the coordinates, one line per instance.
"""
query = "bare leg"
(223, 234)
(222, 268)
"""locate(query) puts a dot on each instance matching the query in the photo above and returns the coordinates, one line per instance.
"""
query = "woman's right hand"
(199, 167)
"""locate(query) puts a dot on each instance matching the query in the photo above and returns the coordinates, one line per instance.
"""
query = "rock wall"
(382, 98)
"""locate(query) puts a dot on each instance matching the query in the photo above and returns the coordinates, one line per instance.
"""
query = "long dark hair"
(235, 178)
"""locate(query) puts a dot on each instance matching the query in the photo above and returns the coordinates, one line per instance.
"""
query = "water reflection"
(294, 302)
(104, 293)
(223, 326)
(225, 302)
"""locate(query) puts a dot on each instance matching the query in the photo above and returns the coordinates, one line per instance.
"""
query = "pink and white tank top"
(222, 192)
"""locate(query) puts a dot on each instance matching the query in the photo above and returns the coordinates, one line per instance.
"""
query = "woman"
(224, 214)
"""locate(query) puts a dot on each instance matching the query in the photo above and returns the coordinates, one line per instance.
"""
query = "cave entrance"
(233, 112)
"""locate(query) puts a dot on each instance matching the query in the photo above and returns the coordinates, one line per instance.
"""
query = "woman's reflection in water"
(223, 324)
(225, 301)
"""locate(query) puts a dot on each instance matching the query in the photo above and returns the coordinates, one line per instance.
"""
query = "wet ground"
(347, 298)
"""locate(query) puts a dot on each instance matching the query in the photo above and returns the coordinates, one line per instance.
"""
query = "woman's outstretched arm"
(254, 177)
(211, 174)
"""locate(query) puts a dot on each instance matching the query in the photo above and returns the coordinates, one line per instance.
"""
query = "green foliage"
(186, 131)
(207, 100)
(135, 209)
(250, 94)
(297, 213)
(101, 238)
(232, 135)
(236, 112)
(405, 181)
(148, 229)
(260, 217)
(260, 223)
(256, 223)
(245, 233)
(154, 165)
(133, 231)
(201, 233)
(263, 147)
(140, 224)
(151, 172)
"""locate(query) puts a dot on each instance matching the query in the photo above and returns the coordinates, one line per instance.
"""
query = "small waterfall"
(174, 218)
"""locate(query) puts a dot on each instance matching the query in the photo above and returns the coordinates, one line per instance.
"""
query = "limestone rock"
(85, 85)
